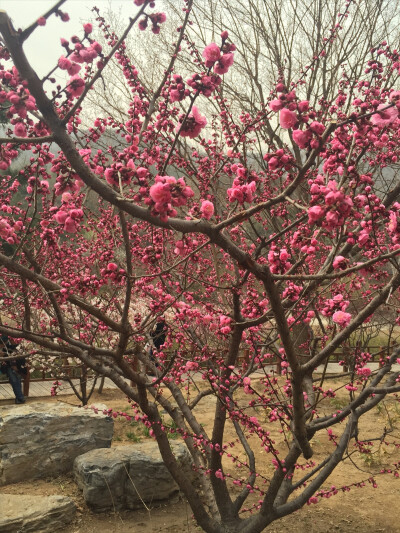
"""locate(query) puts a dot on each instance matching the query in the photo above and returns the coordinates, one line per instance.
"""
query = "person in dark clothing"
(13, 368)
(158, 336)
(159, 333)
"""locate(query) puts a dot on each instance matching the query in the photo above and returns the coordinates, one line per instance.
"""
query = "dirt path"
(365, 510)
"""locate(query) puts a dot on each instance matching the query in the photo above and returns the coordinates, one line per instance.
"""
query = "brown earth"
(365, 510)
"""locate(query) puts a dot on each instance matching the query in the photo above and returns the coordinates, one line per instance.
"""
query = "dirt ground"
(365, 510)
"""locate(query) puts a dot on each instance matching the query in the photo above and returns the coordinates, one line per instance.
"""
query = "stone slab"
(124, 477)
(35, 514)
(41, 439)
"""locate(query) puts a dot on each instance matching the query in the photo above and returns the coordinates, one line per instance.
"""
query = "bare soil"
(365, 510)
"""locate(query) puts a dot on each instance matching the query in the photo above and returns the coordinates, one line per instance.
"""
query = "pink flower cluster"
(181, 248)
(337, 303)
(177, 91)
(204, 85)
(120, 173)
(341, 318)
(72, 63)
(76, 86)
(167, 193)
(241, 193)
(336, 205)
(87, 54)
(385, 115)
(287, 101)
(69, 218)
(156, 19)
(278, 260)
(193, 124)
(339, 263)
(81, 54)
(224, 324)
(279, 160)
(219, 58)
(242, 190)
(21, 102)
(364, 372)
(55, 387)
(112, 272)
(8, 229)
(207, 209)
(292, 291)
(293, 113)
(394, 223)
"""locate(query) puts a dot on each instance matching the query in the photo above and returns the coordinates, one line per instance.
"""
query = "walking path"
(39, 389)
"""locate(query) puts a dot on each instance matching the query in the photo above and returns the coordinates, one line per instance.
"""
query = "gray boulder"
(124, 477)
(42, 439)
(35, 514)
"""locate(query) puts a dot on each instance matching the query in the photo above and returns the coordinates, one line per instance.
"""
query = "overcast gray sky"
(43, 47)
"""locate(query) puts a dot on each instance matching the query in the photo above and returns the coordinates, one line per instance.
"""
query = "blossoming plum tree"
(274, 233)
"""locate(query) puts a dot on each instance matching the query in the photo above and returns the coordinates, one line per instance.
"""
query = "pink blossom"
(61, 217)
(287, 118)
(142, 24)
(303, 106)
(276, 105)
(363, 237)
(20, 129)
(88, 28)
(156, 19)
(70, 225)
(394, 96)
(223, 65)
(211, 54)
(73, 69)
(283, 255)
(315, 213)
(76, 86)
(207, 209)
(64, 63)
(96, 46)
(160, 193)
(13, 98)
(241, 193)
(223, 320)
(41, 21)
(392, 225)
(88, 54)
(342, 318)
(66, 197)
(317, 127)
(332, 219)
(365, 372)
(384, 116)
(302, 138)
(191, 365)
(273, 163)
(193, 125)
(219, 474)
(339, 262)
